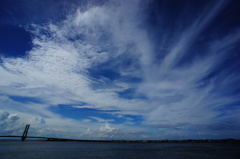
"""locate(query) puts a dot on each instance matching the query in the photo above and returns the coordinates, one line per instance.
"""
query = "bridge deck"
(21, 136)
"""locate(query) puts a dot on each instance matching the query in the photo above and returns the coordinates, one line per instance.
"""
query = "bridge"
(24, 135)
(15, 136)
(25, 132)
(38, 137)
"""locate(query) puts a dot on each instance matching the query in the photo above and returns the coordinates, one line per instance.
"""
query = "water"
(90, 150)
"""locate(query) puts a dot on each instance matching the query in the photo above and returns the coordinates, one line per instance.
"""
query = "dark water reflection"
(70, 150)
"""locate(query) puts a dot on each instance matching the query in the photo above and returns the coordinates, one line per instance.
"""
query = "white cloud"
(10, 123)
(57, 65)
(57, 71)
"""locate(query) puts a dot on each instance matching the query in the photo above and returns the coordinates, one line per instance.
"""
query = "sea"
(34, 149)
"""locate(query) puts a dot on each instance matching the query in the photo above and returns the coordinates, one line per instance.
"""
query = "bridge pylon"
(24, 136)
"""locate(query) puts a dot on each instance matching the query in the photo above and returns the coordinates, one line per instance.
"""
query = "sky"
(129, 69)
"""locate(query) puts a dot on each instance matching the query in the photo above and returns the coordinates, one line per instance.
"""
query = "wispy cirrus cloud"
(102, 57)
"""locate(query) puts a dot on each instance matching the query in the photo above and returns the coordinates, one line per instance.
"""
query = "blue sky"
(126, 69)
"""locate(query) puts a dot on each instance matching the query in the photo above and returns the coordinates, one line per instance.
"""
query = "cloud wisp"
(103, 58)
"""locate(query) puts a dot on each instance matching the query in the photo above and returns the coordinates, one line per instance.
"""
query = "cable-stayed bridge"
(24, 135)
(25, 132)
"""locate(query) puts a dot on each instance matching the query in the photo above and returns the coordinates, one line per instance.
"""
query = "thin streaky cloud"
(118, 62)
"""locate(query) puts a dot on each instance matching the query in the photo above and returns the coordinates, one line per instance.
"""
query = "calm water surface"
(72, 150)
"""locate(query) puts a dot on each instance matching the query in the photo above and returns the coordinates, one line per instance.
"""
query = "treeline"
(154, 141)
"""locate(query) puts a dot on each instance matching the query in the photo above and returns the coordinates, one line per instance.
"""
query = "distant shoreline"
(155, 141)
(229, 140)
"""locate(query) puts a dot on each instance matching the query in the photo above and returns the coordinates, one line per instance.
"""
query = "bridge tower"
(24, 136)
